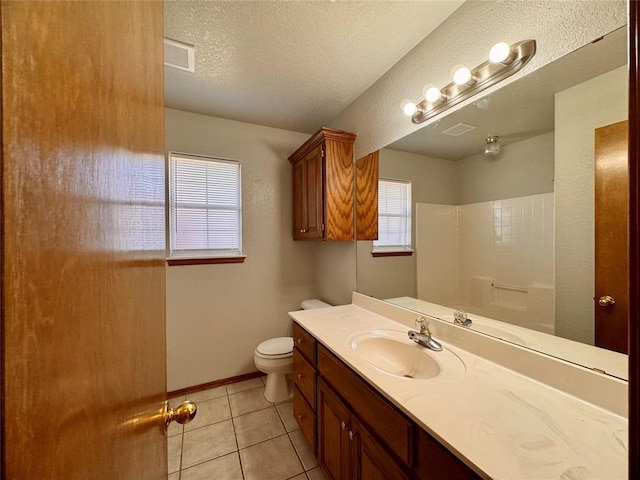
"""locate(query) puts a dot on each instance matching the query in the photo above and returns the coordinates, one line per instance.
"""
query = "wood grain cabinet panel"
(304, 377)
(334, 424)
(324, 187)
(434, 462)
(305, 416)
(373, 410)
(367, 197)
(304, 343)
(370, 459)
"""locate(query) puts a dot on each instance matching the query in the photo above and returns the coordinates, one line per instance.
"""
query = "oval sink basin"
(393, 353)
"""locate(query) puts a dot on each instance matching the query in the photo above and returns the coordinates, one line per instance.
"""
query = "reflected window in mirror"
(394, 218)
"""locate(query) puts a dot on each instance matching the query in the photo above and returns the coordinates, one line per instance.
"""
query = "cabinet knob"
(300, 376)
(350, 435)
(343, 425)
(303, 231)
(300, 341)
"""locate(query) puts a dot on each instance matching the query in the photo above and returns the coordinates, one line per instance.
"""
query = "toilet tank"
(313, 303)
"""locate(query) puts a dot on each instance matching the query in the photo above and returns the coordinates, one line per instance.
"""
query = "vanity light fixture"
(433, 94)
(408, 107)
(462, 76)
(493, 147)
(501, 52)
(504, 61)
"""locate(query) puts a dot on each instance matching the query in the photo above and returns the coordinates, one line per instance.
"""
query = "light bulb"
(463, 76)
(500, 53)
(493, 147)
(408, 107)
(433, 93)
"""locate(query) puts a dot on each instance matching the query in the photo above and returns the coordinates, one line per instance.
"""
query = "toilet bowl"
(275, 358)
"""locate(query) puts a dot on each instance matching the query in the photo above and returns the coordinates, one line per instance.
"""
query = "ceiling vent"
(459, 129)
(179, 55)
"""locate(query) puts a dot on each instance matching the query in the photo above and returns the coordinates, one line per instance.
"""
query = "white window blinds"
(394, 216)
(205, 207)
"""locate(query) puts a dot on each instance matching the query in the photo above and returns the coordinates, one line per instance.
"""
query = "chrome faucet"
(424, 336)
(460, 318)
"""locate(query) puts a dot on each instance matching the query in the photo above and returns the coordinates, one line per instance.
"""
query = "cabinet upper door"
(299, 200)
(314, 194)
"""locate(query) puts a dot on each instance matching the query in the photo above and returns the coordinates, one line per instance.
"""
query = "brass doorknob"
(182, 414)
(606, 300)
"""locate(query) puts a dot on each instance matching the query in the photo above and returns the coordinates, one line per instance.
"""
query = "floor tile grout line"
(297, 454)
(237, 451)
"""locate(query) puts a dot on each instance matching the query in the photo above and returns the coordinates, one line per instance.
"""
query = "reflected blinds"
(394, 215)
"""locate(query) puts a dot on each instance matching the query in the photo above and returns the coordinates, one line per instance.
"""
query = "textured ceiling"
(294, 65)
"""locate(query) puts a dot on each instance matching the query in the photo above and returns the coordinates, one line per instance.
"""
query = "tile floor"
(238, 435)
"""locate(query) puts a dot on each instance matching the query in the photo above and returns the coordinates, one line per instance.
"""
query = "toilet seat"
(280, 347)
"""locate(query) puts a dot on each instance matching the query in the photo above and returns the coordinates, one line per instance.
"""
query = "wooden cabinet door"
(314, 195)
(369, 459)
(308, 197)
(367, 197)
(333, 434)
(299, 200)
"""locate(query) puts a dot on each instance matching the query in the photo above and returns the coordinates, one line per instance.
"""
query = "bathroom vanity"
(372, 404)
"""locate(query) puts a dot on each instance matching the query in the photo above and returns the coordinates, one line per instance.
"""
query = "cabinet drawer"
(305, 417)
(379, 416)
(434, 462)
(304, 377)
(304, 342)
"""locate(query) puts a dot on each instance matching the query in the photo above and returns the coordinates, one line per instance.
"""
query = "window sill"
(388, 253)
(172, 262)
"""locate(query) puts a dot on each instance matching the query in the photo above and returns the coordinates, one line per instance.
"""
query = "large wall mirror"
(511, 238)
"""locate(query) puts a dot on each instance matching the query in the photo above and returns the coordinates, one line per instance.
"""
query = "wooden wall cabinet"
(354, 431)
(367, 197)
(324, 187)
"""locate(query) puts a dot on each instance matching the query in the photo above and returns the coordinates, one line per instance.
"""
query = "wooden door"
(333, 434)
(83, 276)
(611, 237)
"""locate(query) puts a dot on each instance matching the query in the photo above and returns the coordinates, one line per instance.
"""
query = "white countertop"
(500, 423)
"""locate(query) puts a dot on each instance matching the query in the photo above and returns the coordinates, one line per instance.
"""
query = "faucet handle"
(422, 323)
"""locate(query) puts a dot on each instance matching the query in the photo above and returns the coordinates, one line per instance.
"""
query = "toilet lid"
(276, 346)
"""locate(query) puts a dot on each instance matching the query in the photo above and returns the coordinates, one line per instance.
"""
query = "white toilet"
(275, 358)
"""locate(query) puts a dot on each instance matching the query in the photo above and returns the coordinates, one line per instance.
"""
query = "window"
(205, 208)
(394, 218)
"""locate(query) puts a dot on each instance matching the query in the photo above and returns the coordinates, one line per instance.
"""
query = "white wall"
(522, 168)
(217, 314)
(559, 27)
(578, 112)
(432, 181)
